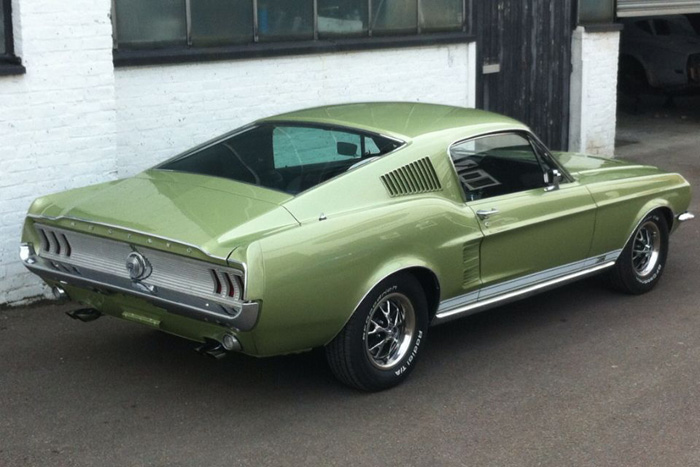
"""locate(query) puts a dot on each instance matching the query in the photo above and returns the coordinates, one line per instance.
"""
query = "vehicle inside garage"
(658, 74)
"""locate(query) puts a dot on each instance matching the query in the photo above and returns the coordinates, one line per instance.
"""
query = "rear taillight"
(226, 284)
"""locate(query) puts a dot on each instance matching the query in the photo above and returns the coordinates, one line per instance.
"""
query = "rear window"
(285, 157)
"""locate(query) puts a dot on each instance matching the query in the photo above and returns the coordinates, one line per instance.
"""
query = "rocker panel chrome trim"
(498, 294)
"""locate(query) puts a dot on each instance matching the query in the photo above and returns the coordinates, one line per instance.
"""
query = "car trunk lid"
(212, 213)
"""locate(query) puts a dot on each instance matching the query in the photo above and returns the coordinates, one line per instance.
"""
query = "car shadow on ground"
(147, 358)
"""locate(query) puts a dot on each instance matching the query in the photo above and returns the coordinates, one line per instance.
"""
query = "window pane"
(2, 29)
(394, 16)
(218, 22)
(441, 15)
(151, 23)
(284, 19)
(342, 18)
(283, 157)
(496, 165)
(596, 11)
(297, 146)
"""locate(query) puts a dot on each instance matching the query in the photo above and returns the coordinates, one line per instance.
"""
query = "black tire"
(395, 312)
(642, 261)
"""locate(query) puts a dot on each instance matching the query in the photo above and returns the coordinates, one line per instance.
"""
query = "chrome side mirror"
(552, 178)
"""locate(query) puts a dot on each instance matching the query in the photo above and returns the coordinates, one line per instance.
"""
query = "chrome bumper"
(241, 316)
(686, 216)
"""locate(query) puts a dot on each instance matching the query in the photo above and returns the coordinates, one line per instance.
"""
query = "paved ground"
(578, 376)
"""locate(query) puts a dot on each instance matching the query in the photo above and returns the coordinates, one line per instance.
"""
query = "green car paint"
(310, 258)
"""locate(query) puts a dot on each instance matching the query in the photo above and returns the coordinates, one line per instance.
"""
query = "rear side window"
(285, 157)
(298, 146)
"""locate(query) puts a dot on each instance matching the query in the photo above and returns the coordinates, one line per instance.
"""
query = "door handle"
(485, 213)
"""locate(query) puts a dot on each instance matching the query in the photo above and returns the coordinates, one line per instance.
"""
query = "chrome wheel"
(646, 249)
(389, 330)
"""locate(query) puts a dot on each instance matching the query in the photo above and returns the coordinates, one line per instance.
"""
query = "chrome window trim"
(204, 145)
(307, 124)
(529, 137)
(332, 127)
(527, 134)
(543, 151)
(488, 297)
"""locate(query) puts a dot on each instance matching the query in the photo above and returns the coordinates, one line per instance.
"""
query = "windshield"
(285, 157)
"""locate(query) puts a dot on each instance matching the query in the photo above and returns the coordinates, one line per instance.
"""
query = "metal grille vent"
(416, 177)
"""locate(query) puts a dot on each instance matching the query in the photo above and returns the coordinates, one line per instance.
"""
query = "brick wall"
(166, 109)
(72, 120)
(57, 122)
(594, 92)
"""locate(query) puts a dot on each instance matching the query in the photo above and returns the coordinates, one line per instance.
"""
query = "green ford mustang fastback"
(351, 227)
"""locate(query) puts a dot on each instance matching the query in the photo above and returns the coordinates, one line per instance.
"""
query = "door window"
(496, 165)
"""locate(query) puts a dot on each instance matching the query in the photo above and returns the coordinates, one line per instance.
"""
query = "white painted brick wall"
(594, 92)
(57, 122)
(166, 109)
(73, 121)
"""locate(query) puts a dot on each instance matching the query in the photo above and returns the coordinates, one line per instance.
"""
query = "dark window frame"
(257, 49)
(10, 64)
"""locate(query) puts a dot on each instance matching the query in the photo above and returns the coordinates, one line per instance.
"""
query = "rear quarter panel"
(316, 274)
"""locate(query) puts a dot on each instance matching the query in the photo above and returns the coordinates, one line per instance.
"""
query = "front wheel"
(380, 344)
(643, 259)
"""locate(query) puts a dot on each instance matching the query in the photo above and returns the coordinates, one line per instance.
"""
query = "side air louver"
(416, 177)
(470, 261)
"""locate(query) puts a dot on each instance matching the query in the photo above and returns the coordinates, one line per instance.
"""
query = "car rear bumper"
(241, 316)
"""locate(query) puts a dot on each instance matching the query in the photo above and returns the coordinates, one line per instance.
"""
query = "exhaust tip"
(230, 343)
(219, 348)
(84, 314)
(59, 293)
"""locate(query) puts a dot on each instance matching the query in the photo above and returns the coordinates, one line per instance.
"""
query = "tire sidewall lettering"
(411, 357)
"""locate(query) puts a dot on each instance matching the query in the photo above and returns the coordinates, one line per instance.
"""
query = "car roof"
(404, 120)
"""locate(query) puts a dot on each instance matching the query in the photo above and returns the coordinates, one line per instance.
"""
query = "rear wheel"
(380, 344)
(641, 263)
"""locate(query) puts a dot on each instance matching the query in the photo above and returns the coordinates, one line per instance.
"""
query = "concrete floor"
(577, 376)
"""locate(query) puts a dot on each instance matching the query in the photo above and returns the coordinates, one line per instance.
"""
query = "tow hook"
(84, 314)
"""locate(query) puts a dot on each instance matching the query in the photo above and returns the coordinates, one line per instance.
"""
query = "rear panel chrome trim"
(230, 262)
(238, 315)
(488, 297)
